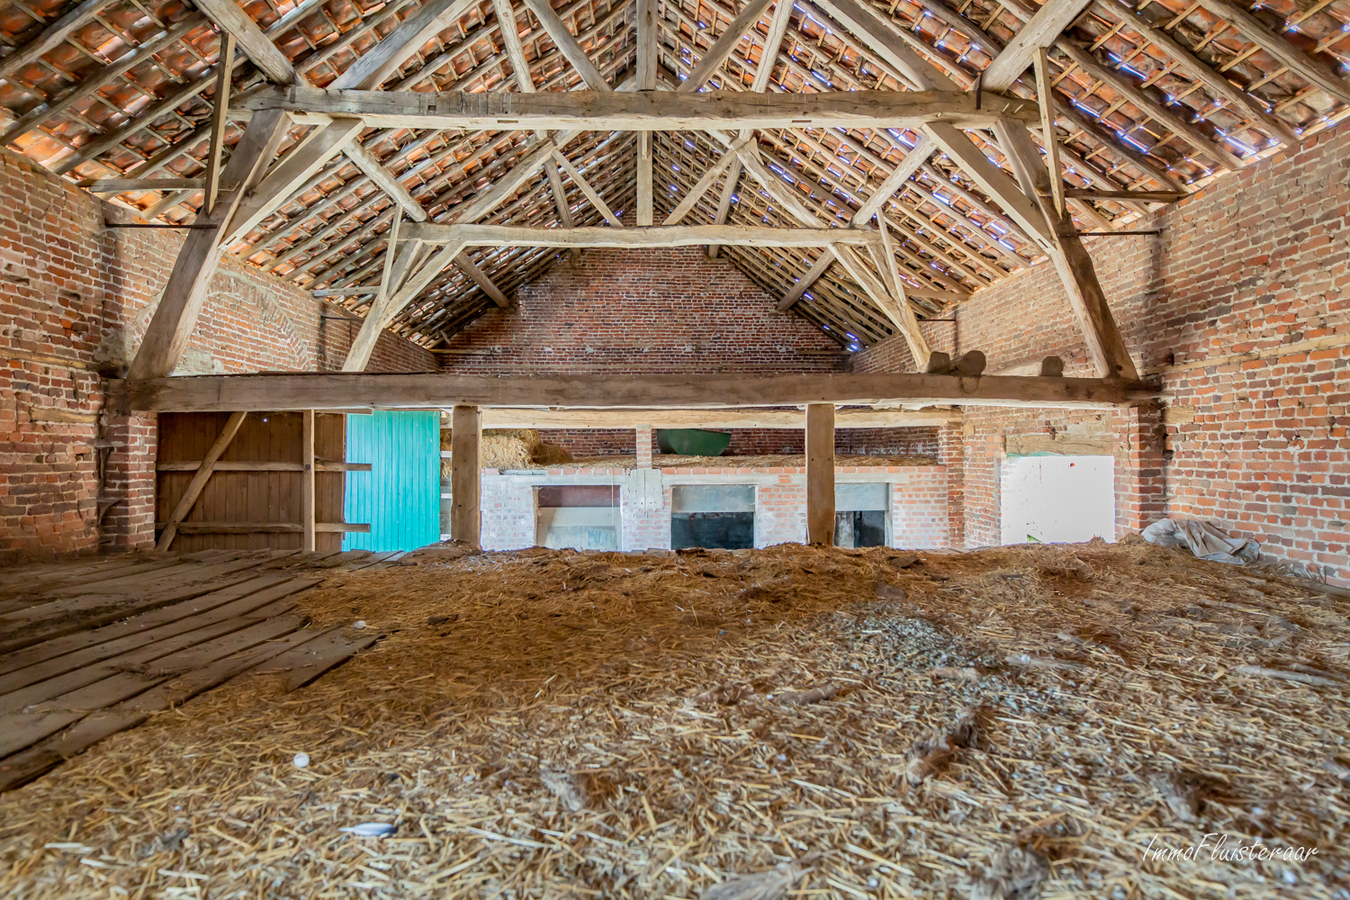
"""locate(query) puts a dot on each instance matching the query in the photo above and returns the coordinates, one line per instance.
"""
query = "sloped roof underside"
(129, 91)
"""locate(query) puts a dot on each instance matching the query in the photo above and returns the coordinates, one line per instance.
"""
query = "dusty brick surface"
(76, 298)
(1256, 262)
(642, 312)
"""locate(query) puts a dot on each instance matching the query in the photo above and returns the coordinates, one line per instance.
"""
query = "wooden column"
(820, 473)
(466, 476)
(307, 481)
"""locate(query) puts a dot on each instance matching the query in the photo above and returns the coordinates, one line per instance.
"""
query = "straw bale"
(555, 723)
(508, 449)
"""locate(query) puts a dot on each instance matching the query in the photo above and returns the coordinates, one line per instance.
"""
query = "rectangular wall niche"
(861, 515)
(712, 515)
(577, 517)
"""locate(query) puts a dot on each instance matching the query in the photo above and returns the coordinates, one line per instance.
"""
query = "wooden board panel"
(244, 496)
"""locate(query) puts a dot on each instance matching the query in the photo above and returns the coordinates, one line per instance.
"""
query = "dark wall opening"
(728, 530)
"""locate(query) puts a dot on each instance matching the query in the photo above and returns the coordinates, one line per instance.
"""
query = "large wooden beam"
(1198, 69)
(385, 180)
(307, 493)
(407, 38)
(510, 30)
(290, 173)
(125, 185)
(994, 182)
(480, 278)
(1086, 297)
(1040, 32)
(380, 315)
(256, 46)
(215, 393)
(820, 474)
(722, 47)
(181, 303)
(1306, 67)
(219, 122)
(567, 44)
(647, 110)
(899, 175)
(586, 188)
(646, 45)
(708, 179)
(466, 475)
(823, 262)
(655, 236)
(52, 36)
(795, 419)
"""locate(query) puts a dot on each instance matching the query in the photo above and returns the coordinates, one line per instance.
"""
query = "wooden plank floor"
(89, 648)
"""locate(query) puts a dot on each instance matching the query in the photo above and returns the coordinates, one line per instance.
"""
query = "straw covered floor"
(1010, 723)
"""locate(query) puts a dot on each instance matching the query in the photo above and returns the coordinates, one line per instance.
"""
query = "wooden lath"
(1150, 99)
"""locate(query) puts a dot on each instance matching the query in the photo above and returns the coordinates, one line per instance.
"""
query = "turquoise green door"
(401, 496)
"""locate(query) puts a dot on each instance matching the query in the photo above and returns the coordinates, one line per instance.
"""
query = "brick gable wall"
(641, 312)
(1255, 264)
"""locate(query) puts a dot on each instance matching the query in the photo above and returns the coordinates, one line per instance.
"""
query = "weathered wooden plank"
(820, 473)
(26, 728)
(23, 767)
(724, 45)
(1037, 34)
(63, 654)
(466, 462)
(307, 481)
(142, 658)
(653, 236)
(249, 466)
(256, 46)
(647, 111)
(709, 418)
(209, 393)
(270, 528)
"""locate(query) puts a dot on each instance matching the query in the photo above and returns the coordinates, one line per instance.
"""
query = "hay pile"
(512, 449)
(1014, 723)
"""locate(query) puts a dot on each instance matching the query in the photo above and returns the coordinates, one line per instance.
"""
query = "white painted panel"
(1058, 499)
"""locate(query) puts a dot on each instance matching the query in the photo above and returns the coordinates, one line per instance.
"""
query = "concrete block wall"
(918, 502)
(1241, 307)
(75, 299)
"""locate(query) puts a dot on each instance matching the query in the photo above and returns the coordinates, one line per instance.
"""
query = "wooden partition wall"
(255, 495)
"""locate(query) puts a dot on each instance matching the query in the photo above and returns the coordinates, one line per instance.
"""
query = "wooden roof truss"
(1147, 103)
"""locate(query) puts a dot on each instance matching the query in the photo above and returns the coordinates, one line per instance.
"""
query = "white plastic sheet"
(1204, 540)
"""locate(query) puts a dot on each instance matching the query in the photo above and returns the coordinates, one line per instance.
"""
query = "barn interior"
(674, 448)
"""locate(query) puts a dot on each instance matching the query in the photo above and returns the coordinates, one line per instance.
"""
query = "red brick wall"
(642, 312)
(74, 299)
(761, 441)
(1255, 264)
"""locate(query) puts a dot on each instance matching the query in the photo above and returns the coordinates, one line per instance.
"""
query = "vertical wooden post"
(219, 121)
(466, 475)
(307, 480)
(820, 473)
